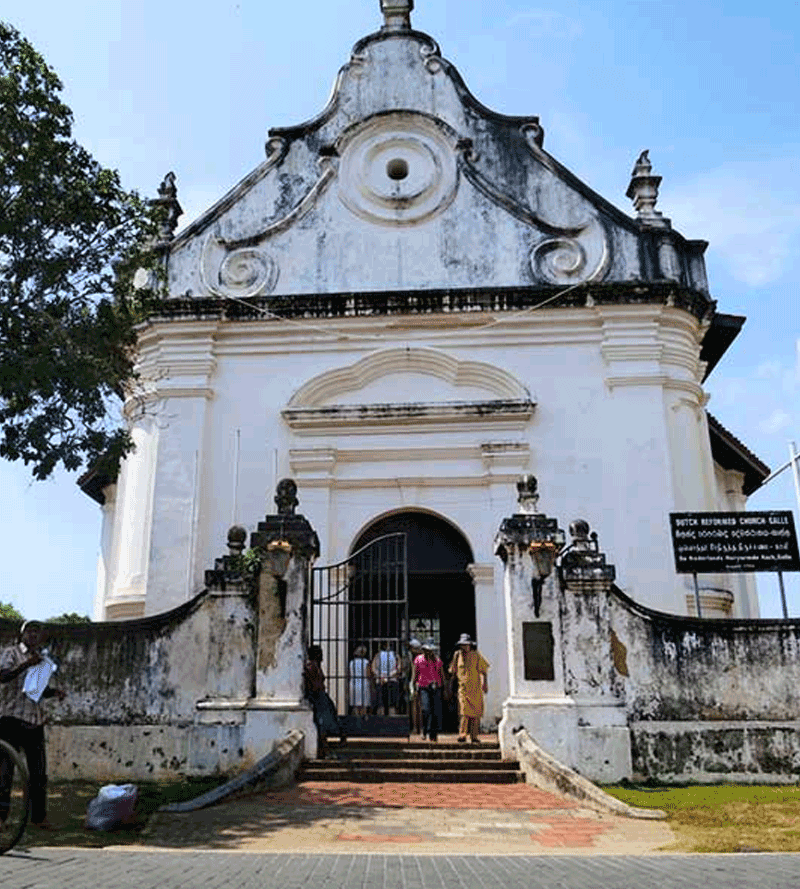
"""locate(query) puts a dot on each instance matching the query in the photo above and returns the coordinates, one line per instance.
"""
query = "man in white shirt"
(386, 670)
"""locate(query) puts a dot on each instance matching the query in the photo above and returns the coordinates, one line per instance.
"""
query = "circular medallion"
(399, 169)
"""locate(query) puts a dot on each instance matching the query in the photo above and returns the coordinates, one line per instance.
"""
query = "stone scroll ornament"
(242, 267)
(242, 273)
(563, 254)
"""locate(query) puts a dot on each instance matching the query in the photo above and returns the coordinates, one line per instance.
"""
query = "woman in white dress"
(360, 685)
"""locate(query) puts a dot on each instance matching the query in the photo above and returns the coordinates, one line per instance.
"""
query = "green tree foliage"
(69, 617)
(71, 241)
(9, 612)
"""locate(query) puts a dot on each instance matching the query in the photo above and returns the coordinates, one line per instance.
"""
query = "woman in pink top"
(428, 677)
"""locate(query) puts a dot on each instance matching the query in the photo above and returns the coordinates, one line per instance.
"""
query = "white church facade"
(408, 305)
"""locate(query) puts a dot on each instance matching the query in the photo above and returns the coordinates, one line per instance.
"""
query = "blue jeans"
(431, 701)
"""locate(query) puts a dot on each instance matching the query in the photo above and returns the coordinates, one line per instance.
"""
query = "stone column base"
(268, 721)
(261, 723)
(598, 749)
(551, 722)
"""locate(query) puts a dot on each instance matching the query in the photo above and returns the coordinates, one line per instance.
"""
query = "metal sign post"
(697, 595)
(783, 595)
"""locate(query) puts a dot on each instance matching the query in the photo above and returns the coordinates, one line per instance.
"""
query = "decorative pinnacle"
(396, 14)
(528, 494)
(643, 190)
(171, 210)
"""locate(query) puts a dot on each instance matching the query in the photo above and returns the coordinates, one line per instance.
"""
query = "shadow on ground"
(256, 817)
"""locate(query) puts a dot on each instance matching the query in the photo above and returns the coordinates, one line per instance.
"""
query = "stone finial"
(579, 532)
(582, 559)
(643, 190)
(237, 535)
(527, 494)
(286, 496)
(396, 14)
(167, 200)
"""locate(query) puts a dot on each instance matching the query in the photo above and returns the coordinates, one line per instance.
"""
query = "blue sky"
(710, 88)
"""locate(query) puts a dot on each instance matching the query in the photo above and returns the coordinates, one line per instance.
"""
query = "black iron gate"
(362, 601)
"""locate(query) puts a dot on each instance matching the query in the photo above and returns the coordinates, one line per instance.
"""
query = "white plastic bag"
(113, 807)
(38, 676)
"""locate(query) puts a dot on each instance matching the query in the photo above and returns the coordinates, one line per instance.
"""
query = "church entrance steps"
(374, 761)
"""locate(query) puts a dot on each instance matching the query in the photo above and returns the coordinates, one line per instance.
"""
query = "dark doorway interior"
(441, 596)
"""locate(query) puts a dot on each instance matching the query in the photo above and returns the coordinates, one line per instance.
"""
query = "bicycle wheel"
(13, 774)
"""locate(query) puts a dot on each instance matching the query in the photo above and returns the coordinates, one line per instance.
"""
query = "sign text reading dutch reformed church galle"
(721, 542)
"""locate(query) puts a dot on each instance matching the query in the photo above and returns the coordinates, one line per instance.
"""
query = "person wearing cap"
(470, 668)
(428, 676)
(22, 720)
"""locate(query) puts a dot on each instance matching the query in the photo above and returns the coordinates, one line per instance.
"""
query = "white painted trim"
(416, 481)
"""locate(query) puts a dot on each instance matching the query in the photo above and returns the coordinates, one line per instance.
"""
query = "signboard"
(722, 542)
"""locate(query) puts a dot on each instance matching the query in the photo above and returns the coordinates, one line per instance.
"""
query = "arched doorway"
(441, 595)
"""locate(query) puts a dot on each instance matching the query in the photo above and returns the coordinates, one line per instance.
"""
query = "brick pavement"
(442, 818)
(125, 869)
(419, 796)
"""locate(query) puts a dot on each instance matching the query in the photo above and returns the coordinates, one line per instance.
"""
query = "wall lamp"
(279, 554)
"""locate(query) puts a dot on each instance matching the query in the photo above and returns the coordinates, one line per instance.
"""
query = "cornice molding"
(482, 574)
(660, 380)
(169, 391)
(395, 481)
(430, 416)
(453, 301)
(324, 460)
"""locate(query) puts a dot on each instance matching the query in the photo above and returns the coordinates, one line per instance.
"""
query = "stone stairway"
(391, 760)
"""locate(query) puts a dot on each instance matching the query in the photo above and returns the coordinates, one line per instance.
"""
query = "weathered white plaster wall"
(602, 436)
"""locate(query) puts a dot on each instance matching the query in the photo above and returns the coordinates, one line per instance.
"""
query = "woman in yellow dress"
(470, 668)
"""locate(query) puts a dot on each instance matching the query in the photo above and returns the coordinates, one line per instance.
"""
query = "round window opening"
(397, 168)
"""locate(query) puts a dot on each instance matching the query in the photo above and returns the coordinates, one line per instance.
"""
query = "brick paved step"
(365, 744)
(414, 753)
(390, 760)
(459, 765)
(340, 772)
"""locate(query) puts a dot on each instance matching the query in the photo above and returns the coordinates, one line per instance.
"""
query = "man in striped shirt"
(22, 720)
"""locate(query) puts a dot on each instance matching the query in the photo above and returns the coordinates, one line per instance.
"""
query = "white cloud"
(779, 419)
(748, 210)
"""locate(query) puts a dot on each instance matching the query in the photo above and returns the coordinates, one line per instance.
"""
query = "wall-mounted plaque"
(537, 647)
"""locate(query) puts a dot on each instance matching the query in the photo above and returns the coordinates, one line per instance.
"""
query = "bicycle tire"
(13, 827)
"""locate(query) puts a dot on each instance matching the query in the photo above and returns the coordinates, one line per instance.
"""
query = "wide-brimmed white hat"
(465, 640)
(429, 645)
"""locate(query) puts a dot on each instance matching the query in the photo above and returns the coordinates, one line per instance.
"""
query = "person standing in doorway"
(359, 670)
(428, 677)
(386, 670)
(22, 717)
(470, 668)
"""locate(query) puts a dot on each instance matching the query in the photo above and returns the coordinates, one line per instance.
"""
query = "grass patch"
(66, 810)
(725, 817)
